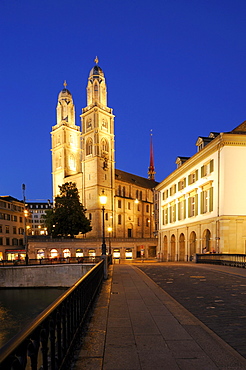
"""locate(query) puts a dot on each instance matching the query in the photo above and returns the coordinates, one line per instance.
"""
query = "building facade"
(36, 212)
(86, 156)
(12, 226)
(202, 204)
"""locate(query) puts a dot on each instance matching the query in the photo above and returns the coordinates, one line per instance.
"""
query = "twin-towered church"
(86, 156)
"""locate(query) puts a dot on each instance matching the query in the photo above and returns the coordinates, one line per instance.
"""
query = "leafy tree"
(68, 216)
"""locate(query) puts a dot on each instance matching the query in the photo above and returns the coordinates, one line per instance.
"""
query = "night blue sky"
(174, 66)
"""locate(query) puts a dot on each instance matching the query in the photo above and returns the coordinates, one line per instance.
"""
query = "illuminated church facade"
(86, 156)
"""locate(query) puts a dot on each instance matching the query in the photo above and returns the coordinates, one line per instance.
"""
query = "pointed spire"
(96, 60)
(65, 84)
(151, 171)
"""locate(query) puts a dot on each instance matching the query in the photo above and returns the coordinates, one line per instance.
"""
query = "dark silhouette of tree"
(68, 215)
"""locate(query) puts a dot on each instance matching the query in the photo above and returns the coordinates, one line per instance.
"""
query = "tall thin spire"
(151, 171)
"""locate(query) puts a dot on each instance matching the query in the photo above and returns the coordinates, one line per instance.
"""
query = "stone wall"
(42, 276)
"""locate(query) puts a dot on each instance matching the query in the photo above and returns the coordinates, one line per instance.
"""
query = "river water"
(18, 307)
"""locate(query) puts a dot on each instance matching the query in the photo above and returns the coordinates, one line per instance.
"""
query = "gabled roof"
(240, 129)
(134, 179)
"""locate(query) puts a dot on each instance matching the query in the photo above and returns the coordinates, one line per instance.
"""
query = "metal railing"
(50, 261)
(236, 260)
(48, 342)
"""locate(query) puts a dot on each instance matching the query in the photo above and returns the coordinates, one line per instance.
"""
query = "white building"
(202, 204)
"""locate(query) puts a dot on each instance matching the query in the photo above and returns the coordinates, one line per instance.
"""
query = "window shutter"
(202, 202)
(196, 204)
(189, 200)
(189, 177)
(196, 175)
(211, 165)
(174, 212)
(202, 171)
(211, 199)
(175, 186)
(163, 214)
(184, 182)
(179, 205)
(184, 208)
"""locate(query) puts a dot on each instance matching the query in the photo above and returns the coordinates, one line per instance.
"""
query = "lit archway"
(173, 244)
(206, 241)
(192, 243)
(165, 248)
(181, 247)
(66, 253)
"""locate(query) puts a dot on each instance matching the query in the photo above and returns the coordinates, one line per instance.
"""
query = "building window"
(129, 205)
(182, 209)
(172, 212)
(7, 241)
(182, 184)
(88, 150)
(147, 222)
(119, 203)
(119, 219)
(192, 205)
(14, 241)
(14, 229)
(1, 241)
(1, 228)
(207, 200)
(7, 229)
(129, 233)
(138, 221)
(147, 208)
(173, 190)
(193, 177)
(207, 168)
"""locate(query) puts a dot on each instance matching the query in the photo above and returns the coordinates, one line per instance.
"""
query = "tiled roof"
(134, 179)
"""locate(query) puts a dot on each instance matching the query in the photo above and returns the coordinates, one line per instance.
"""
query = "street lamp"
(103, 201)
(109, 240)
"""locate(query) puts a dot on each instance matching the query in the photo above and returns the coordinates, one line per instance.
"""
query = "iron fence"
(48, 342)
(236, 260)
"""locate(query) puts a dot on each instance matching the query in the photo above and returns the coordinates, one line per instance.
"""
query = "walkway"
(136, 325)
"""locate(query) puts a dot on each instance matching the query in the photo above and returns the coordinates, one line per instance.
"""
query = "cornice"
(223, 139)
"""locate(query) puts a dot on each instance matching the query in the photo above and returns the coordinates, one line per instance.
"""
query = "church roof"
(64, 92)
(134, 179)
(96, 71)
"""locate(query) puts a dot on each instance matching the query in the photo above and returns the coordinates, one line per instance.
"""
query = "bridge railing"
(48, 342)
(50, 261)
(236, 260)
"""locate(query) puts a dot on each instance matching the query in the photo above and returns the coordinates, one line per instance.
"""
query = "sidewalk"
(136, 325)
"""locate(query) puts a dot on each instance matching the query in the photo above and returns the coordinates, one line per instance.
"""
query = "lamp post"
(25, 221)
(103, 201)
(109, 240)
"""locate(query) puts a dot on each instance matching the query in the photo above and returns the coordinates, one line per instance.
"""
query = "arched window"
(88, 147)
(96, 91)
(66, 253)
(104, 145)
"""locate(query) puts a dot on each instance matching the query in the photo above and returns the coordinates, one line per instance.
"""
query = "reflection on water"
(18, 307)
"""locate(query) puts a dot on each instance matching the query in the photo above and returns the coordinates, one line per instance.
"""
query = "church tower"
(66, 141)
(98, 162)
